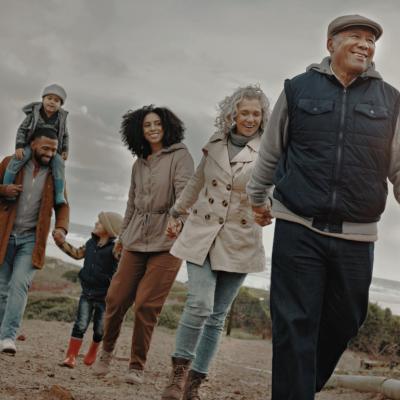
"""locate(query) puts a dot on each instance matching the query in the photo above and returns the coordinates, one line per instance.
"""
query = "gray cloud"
(115, 55)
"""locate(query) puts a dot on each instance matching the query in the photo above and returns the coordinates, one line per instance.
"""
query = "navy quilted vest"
(336, 164)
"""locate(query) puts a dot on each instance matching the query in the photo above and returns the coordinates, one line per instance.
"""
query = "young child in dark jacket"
(49, 114)
(99, 266)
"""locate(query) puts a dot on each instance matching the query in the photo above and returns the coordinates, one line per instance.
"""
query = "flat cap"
(350, 21)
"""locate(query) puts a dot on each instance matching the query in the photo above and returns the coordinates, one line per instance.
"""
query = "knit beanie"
(57, 90)
(111, 222)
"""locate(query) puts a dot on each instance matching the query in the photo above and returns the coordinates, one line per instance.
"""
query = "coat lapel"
(217, 149)
(249, 152)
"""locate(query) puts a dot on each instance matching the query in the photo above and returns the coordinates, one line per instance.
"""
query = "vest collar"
(324, 67)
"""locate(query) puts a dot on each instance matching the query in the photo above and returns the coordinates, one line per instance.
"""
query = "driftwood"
(370, 364)
(376, 384)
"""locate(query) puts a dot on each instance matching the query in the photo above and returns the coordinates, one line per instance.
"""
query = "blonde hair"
(228, 107)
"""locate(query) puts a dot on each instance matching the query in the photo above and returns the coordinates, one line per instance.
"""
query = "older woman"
(220, 241)
(146, 270)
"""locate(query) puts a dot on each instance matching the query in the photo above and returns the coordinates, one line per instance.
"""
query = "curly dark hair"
(132, 129)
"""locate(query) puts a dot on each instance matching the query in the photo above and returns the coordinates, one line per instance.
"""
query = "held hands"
(58, 236)
(19, 154)
(174, 228)
(117, 250)
(262, 215)
(13, 190)
(64, 155)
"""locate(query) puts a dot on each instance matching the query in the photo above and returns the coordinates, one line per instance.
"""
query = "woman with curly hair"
(146, 270)
(220, 240)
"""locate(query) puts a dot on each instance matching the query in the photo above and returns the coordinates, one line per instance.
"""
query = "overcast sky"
(112, 56)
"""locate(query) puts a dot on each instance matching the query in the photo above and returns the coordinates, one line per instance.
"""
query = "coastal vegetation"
(55, 293)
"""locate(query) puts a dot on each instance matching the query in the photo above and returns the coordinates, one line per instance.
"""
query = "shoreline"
(254, 281)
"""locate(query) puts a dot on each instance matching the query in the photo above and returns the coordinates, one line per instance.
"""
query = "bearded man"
(25, 213)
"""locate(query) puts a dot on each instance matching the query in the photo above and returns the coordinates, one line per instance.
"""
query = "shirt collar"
(333, 73)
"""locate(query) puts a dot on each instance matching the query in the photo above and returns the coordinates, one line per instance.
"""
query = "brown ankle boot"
(176, 384)
(193, 382)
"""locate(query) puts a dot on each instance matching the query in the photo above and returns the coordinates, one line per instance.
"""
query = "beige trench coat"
(155, 185)
(221, 223)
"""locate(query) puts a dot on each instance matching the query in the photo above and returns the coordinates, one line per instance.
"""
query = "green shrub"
(52, 309)
(71, 275)
(178, 292)
(177, 308)
(168, 317)
(379, 334)
(251, 314)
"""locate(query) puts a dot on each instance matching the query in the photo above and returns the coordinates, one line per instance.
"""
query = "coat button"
(214, 182)
(221, 220)
(224, 203)
(207, 217)
(228, 186)
(211, 200)
(243, 222)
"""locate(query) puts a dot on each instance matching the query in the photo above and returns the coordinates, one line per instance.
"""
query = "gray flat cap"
(350, 21)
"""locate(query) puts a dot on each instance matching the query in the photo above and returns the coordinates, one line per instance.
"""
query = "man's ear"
(329, 45)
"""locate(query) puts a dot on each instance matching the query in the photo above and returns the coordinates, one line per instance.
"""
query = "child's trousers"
(86, 309)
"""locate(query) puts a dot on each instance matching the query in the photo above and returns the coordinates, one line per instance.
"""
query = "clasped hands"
(262, 215)
(174, 227)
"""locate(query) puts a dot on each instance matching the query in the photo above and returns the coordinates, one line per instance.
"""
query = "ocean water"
(385, 292)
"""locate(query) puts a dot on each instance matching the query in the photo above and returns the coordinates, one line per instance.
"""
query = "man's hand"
(13, 190)
(262, 215)
(174, 228)
(64, 155)
(117, 249)
(59, 236)
(19, 154)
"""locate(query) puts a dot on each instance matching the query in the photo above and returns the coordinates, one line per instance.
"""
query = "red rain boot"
(90, 357)
(72, 352)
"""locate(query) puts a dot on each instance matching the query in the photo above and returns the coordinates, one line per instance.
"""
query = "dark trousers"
(319, 299)
(87, 308)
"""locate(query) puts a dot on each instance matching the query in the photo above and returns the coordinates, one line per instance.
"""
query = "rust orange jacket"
(8, 211)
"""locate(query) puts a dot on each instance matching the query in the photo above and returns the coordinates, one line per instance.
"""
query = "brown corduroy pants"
(144, 279)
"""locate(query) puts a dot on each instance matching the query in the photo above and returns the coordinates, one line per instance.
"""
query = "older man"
(24, 227)
(332, 141)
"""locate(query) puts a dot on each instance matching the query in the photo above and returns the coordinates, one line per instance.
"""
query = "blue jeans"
(319, 299)
(87, 308)
(57, 168)
(210, 296)
(16, 275)
(14, 166)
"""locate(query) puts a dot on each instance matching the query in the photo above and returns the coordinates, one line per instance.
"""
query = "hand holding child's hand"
(174, 228)
(59, 236)
(64, 155)
(117, 250)
(19, 154)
